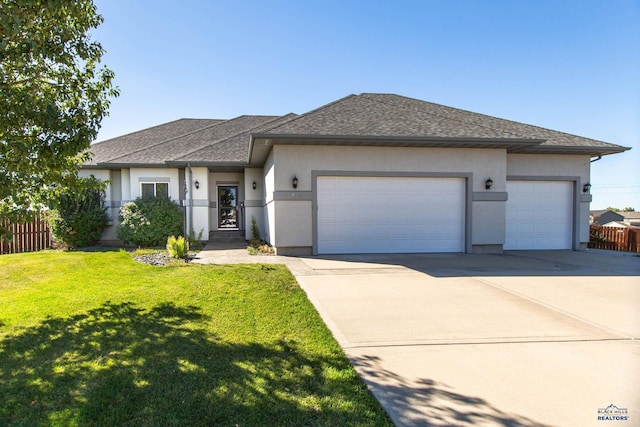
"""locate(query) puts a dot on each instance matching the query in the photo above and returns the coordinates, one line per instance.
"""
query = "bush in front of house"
(78, 214)
(148, 221)
(177, 247)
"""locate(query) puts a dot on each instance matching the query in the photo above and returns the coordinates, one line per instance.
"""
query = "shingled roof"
(181, 140)
(105, 151)
(233, 149)
(365, 119)
(388, 117)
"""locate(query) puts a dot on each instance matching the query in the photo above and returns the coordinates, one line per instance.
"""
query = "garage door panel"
(327, 232)
(539, 215)
(389, 214)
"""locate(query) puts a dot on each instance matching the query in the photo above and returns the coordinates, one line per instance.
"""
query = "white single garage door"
(390, 215)
(539, 215)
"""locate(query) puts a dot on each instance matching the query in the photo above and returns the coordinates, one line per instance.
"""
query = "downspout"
(189, 230)
(596, 159)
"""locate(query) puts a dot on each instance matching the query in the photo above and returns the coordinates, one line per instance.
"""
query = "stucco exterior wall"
(125, 185)
(295, 218)
(269, 219)
(488, 223)
(254, 200)
(199, 202)
(576, 167)
(549, 165)
(301, 160)
(293, 226)
(140, 175)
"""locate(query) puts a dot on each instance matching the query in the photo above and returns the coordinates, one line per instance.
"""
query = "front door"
(228, 207)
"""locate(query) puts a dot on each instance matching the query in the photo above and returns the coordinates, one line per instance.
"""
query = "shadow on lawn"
(430, 403)
(121, 365)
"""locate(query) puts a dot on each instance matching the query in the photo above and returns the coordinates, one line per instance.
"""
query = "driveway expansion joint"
(591, 324)
(481, 342)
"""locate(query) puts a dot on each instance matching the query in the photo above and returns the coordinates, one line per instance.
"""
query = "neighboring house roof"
(605, 215)
(365, 119)
(630, 215)
(619, 224)
(631, 218)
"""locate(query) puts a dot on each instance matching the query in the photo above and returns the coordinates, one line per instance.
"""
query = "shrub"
(148, 221)
(255, 231)
(256, 240)
(195, 240)
(257, 245)
(177, 247)
(78, 213)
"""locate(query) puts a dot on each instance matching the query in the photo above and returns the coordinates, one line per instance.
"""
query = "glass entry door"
(228, 207)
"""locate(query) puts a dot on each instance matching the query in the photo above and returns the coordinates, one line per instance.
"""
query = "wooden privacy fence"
(614, 238)
(26, 236)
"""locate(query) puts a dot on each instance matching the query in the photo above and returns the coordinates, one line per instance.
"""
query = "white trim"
(155, 182)
(153, 179)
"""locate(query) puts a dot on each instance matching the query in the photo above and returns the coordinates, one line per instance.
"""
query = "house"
(631, 218)
(619, 224)
(366, 173)
(604, 216)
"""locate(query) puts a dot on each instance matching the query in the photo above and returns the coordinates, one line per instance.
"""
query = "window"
(150, 189)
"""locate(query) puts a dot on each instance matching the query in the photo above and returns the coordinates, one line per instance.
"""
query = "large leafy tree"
(54, 93)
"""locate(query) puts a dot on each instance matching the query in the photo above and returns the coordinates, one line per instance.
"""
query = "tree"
(53, 96)
(627, 209)
(79, 216)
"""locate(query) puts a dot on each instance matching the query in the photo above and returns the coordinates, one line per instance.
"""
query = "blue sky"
(571, 65)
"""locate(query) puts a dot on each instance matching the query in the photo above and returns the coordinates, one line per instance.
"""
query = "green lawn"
(98, 339)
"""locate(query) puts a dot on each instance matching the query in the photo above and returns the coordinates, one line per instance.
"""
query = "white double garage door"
(426, 214)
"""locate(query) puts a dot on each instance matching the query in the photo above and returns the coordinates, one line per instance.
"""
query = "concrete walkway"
(524, 338)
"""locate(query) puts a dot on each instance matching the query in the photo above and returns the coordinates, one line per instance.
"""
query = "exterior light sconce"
(295, 181)
(488, 183)
(586, 188)
(197, 184)
(254, 185)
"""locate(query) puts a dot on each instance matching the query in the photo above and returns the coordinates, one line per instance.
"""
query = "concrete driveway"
(520, 339)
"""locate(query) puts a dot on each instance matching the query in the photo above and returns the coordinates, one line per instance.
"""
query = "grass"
(98, 339)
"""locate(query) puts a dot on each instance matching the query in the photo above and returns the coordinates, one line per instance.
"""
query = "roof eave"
(200, 163)
(109, 165)
(375, 140)
(564, 149)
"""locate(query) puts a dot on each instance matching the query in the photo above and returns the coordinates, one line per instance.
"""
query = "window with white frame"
(150, 189)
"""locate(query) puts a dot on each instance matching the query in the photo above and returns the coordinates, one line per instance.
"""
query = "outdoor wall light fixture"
(586, 188)
(488, 183)
(254, 185)
(197, 184)
(295, 181)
